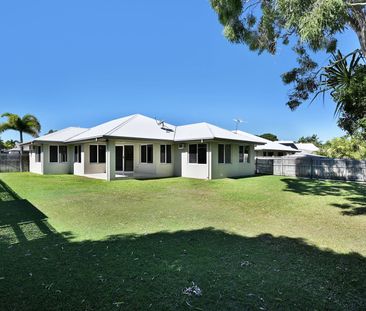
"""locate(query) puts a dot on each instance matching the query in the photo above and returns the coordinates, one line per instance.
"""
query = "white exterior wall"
(57, 167)
(155, 169)
(193, 170)
(235, 168)
(35, 167)
(91, 168)
(79, 168)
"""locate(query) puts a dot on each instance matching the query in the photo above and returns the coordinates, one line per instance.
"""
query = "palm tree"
(28, 124)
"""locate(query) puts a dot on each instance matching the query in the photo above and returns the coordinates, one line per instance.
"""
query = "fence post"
(311, 168)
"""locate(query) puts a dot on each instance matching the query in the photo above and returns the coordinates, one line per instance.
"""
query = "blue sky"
(80, 63)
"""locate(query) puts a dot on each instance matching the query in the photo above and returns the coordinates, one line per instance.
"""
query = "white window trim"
(58, 154)
(76, 156)
(231, 154)
(248, 159)
(147, 163)
(166, 154)
(36, 154)
(98, 154)
(196, 163)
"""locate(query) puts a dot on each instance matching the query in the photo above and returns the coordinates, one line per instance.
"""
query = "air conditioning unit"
(181, 146)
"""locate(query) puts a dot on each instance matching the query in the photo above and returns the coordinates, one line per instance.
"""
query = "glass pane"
(150, 154)
(247, 154)
(162, 153)
(63, 153)
(143, 154)
(221, 153)
(93, 153)
(227, 153)
(53, 154)
(192, 154)
(241, 154)
(168, 153)
(102, 149)
(202, 153)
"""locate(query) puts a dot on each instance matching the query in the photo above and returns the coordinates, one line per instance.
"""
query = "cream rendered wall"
(194, 170)
(35, 167)
(233, 169)
(57, 168)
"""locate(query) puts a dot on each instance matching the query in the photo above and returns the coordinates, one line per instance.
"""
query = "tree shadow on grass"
(353, 193)
(47, 270)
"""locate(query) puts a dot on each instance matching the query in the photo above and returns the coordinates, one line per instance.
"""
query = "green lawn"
(261, 243)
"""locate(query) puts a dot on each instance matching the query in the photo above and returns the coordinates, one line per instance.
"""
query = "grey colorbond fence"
(313, 167)
(10, 162)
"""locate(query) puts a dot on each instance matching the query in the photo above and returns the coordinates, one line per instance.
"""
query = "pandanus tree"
(28, 124)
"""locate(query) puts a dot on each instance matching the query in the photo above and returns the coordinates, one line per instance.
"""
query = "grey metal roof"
(138, 126)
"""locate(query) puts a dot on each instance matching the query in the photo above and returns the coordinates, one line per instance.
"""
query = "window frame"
(247, 148)
(225, 160)
(38, 154)
(60, 155)
(49, 154)
(197, 146)
(146, 153)
(241, 154)
(167, 158)
(77, 154)
(97, 153)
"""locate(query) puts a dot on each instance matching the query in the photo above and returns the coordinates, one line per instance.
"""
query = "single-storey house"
(142, 147)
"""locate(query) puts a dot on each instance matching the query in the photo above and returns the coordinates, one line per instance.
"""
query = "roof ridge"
(207, 125)
(86, 129)
(122, 124)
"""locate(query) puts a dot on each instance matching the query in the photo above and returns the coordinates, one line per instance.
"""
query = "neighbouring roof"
(253, 137)
(275, 146)
(138, 126)
(61, 135)
(307, 147)
(205, 130)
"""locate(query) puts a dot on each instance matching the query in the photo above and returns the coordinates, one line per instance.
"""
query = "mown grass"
(70, 243)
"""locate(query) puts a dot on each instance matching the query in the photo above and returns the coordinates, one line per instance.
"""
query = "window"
(192, 154)
(146, 153)
(224, 153)
(197, 153)
(38, 152)
(77, 154)
(63, 153)
(241, 154)
(101, 153)
(165, 154)
(264, 154)
(280, 154)
(270, 154)
(53, 154)
(93, 153)
(247, 154)
(97, 153)
(202, 153)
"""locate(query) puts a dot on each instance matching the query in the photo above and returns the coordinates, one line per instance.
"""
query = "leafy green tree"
(9, 144)
(28, 124)
(314, 139)
(349, 147)
(2, 146)
(309, 26)
(269, 136)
